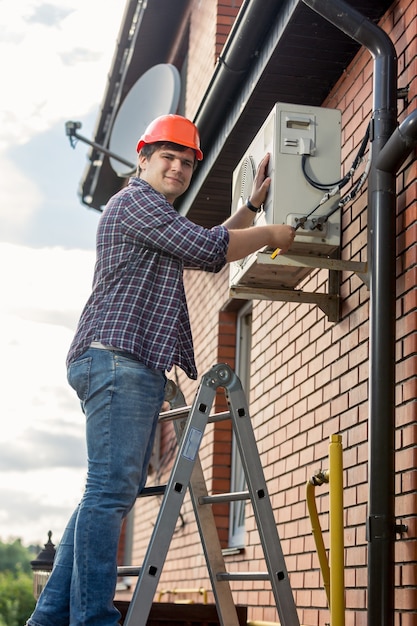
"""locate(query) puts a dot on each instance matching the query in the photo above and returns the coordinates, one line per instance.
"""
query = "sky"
(54, 60)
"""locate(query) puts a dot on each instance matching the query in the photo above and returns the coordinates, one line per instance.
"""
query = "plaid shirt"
(138, 301)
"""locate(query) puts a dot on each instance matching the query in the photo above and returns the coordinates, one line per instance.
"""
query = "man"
(133, 329)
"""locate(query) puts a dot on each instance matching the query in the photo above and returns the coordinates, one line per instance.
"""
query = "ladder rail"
(141, 603)
(226, 607)
(261, 504)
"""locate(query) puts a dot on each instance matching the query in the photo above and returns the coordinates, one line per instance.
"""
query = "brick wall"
(309, 379)
(402, 23)
(211, 21)
(226, 15)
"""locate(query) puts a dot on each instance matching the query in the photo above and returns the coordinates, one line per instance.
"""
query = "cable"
(343, 181)
(333, 188)
(323, 186)
(322, 219)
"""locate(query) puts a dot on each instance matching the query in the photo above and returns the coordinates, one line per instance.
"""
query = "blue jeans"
(121, 399)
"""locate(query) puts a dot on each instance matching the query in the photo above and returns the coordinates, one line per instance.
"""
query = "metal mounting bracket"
(328, 302)
(71, 130)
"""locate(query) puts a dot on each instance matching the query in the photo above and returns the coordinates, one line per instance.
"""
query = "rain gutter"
(242, 47)
(381, 262)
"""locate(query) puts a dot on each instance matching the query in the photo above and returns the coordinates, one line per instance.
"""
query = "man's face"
(168, 171)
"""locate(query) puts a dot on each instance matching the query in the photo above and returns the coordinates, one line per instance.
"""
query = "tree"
(16, 598)
(16, 584)
(14, 557)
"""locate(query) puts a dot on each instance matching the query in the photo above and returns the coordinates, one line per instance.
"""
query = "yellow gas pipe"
(333, 577)
(337, 548)
(318, 479)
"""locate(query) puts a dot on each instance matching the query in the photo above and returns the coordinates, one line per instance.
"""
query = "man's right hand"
(248, 240)
(282, 237)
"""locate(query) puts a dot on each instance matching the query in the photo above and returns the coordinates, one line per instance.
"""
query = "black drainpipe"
(401, 143)
(381, 262)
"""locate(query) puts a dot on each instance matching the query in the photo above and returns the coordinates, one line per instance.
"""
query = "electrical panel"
(304, 143)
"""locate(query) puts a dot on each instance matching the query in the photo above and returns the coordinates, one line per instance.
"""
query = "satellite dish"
(155, 93)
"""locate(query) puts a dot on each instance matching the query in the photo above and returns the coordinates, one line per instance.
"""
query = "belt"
(101, 346)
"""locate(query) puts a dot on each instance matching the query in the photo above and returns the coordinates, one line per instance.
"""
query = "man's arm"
(247, 240)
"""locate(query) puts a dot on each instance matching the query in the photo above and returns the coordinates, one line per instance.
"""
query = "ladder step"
(182, 412)
(133, 570)
(242, 576)
(128, 570)
(159, 490)
(154, 490)
(224, 497)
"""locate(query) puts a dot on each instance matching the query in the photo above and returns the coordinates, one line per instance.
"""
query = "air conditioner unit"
(289, 133)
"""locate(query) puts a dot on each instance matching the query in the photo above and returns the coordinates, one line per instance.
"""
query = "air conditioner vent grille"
(244, 181)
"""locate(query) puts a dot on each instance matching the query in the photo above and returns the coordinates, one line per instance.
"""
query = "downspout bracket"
(379, 528)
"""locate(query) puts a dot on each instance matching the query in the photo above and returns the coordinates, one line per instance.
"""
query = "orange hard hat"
(175, 129)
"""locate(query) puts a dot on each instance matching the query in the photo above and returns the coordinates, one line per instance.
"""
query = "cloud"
(79, 55)
(35, 502)
(19, 199)
(66, 319)
(47, 15)
(42, 439)
(59, 62)
(50, 279)
(40, 449)
(46, 209)
(43, 293)
(19, 506)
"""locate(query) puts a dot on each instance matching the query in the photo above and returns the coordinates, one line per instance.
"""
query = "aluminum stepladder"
(187, 473)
